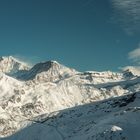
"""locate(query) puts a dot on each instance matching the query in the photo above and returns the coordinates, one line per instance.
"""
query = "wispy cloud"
(26, 59)
(135, 55)
(127, 13)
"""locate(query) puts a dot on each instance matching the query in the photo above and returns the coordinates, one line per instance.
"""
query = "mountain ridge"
(50, 87)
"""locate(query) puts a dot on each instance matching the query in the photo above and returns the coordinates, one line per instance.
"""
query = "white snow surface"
(51, 101)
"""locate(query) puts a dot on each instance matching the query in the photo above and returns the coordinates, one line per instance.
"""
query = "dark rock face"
(125, 101)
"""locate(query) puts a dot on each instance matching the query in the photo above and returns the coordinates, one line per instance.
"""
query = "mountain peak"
(12, 58)
(45, 66)
(131, 71)
(11, 65)
(8, 57)
(48, 71)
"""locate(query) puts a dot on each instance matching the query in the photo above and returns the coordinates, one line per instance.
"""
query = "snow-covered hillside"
(113, 119)
(53, 101)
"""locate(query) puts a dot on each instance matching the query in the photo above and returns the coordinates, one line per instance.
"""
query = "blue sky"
(83, 34)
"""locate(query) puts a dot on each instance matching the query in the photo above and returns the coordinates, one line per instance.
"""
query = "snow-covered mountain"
(49, 71)
(131, 71)
(53, 101)
(11, 65)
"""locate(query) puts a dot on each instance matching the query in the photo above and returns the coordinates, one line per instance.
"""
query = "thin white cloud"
(25, 59)
(135, 55)
(127, 13)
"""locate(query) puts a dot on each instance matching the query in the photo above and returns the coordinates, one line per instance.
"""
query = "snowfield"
(50, 101)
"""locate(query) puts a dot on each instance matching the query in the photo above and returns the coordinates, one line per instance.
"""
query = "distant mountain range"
(50, 101)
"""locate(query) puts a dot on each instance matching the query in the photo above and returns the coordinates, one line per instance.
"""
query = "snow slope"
(48, 90)
(113, 119)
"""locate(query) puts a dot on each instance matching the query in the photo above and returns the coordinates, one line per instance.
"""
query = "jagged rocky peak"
(45, 66)
(48, 71)
(11, 65)
(131, 71)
